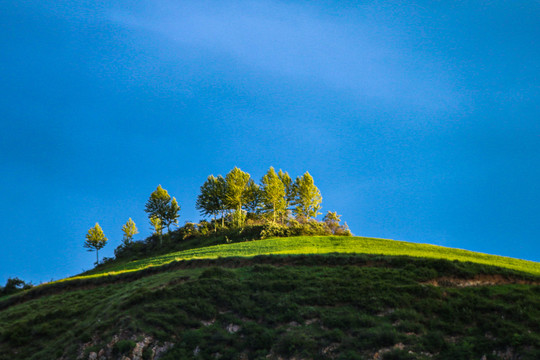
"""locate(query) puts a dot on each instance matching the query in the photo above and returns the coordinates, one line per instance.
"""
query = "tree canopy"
(237, 191)
(157, 227)
(273, 193)
(237, 195)
(95, 240)
(212, 198)
(161, 206)
(130, 230)
(252, 202)
(240, 201)
(307, 197)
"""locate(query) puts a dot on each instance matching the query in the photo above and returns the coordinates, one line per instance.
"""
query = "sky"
(418, 122)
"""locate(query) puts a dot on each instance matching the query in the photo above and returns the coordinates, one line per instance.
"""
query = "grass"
(311, 311)
(301, 297)
(317, 245)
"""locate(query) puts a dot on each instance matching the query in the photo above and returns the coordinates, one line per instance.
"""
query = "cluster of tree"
(14, 285)
(163, 211)
(230, 201)
(237, 196)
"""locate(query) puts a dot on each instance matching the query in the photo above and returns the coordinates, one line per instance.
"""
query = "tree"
(307, 197)
(289, 191)
(288, 184)
(129, 229)
(273, 193)
(160, 205)
(332, 221)
(213, 198)
(253, 198)
(220, 193)
(237, 191)
(172, 215)
(157, 227)
(209, 202)
(14, 285)
(95, 240)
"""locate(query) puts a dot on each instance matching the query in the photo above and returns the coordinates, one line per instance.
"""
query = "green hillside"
(285, 298)
(320, 245)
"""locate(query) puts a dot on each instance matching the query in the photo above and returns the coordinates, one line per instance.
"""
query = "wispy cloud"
(361, 56)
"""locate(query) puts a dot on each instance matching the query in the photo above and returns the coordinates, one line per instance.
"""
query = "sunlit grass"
(325, 300)
(319, 245)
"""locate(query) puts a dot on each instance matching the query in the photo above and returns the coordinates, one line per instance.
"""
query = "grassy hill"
(301, 298)
(319, 245)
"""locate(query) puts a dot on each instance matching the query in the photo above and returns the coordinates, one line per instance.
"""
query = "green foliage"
(296, 342)
(238, 217)
(172, 213)
(398, 354)
(212, 198)
(275, 230)
(307, 197)
(160, 205)
(188, 230)
(157, 226)
(253, 198)
(14, 285)
(289, 193)
(323, 245)
(273, 193)
(130, 230)
(241, 200)
(237, 191)
(123, 347)
(306, 306)
(217, 272)
(332, 221)
(95, 240)
(288, 184)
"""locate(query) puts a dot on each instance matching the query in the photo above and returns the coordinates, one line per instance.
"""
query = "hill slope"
(319, 245)
(331, 305)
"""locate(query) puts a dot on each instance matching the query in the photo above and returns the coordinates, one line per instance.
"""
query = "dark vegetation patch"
(430, 271)
(317, 307)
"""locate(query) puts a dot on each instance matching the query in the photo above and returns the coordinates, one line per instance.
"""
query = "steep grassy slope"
(320, 245)
(319, 306)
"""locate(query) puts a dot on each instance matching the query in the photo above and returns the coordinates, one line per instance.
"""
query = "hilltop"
(300, 297)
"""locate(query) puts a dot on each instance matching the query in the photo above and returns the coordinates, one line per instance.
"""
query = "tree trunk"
(97, 257)
(240, 215)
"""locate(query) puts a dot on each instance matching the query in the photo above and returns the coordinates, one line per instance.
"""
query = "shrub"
(332, 221)
(434, 341)
(14, 285)
(123, 347)
(204, 227)
(383, 336)
(188, 230)
(311, 228)
(397, 354)
(274, 230)
(257, 337)
(295, 342)
(217, 272)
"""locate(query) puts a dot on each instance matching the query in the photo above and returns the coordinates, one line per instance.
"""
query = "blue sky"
(418, 122)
